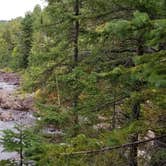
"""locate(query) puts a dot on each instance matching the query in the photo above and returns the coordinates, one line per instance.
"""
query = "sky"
(10, 9)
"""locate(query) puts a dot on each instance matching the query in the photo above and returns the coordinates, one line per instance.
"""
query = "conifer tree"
(26, 38)
(97, 69)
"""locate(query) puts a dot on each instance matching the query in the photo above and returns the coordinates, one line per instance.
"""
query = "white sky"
(10, 9)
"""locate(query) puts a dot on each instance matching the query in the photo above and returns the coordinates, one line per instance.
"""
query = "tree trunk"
(76, 31)
(58, 91)
(76, 52)
(21, 148)
(134, 137)
(135, 115)
(140, 48)
(114, 112)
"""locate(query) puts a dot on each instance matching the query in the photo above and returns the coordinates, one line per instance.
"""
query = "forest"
(95, 70)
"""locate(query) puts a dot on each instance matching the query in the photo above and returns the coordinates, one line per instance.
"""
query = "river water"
(26, 118)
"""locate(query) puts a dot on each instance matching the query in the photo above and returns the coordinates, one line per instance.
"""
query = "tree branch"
(103, 150)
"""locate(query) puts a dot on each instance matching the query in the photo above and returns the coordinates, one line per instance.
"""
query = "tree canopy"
(97, 69)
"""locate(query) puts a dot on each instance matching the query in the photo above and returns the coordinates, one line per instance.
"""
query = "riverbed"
(9, 117)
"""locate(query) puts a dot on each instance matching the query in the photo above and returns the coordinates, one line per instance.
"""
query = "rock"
(101, 126)
(9, 101)
(6, 116)
(11, 78)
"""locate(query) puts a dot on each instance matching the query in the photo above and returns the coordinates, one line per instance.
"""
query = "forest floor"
(15, 108)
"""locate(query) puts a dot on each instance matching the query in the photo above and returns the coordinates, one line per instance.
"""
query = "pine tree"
(97, 69)
(26, 39)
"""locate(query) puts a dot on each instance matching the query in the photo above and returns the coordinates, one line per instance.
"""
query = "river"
(26, 118)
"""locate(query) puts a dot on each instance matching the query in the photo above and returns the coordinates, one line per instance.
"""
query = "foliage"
(97, 70)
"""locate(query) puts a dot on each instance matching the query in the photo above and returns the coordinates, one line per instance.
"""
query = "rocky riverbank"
(15, 108)
(9, 98)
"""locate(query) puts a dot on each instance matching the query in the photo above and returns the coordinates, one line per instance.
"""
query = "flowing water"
(26, 118)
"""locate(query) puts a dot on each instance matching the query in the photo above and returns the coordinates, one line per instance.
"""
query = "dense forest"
(96, 69)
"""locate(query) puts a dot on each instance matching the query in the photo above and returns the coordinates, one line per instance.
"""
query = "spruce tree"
(26, 39)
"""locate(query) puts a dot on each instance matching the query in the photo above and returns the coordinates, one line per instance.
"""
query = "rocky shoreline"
(10, 78)
(15, 108)
(9, 99)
